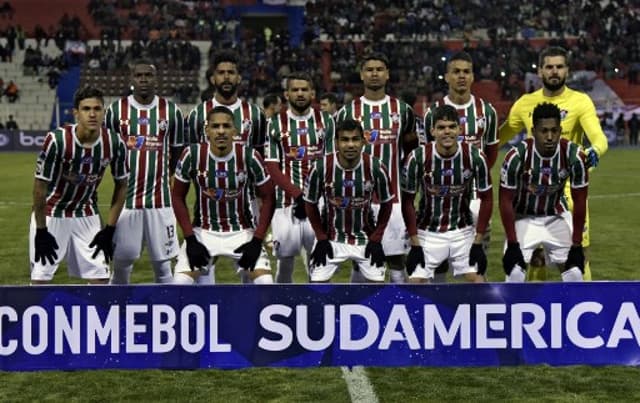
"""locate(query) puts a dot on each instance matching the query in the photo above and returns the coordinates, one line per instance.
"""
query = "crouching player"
(533, 207)
(222, 172)
(444, 171)
(348, 180)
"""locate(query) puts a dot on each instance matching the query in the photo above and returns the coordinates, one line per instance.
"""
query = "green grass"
(614, 197)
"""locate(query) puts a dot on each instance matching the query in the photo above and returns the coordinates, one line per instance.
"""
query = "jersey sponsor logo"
(219, 194)
(447, 172)
(545, 171)
(380, 136)
(462, 120)
(143, 121)
(86, 160)
(375, 115)
(297, 153)
(371, 136)
(540, 190)
(446, 190)
(80, 179)
(306, 153)
(221, 173)
(348, 183)
(135, 142)
(343, 203)
(302, 131)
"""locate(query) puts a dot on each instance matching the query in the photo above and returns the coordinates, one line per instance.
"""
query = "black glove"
(415, 258)
(375, 251)
(46, 246)
(512, 256)
(298, 209)
(250, 253)
(197, 253)
(575, 258)
(477, 255)
(320, 252)
(103, 241)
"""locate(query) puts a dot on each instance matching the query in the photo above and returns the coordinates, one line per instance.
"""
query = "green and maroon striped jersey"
(445, 185)
(539, 182)
(74, 171)
(148, 132)
(385, 123)
(249, 120)
(348, 194)
(222, 185)
(296, 142)
(478, 121)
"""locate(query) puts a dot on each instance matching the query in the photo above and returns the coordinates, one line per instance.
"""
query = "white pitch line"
(614, 196)
(360, 388)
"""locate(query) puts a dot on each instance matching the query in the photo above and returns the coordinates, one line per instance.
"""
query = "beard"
(228, 93)
(300, 108)
(553, 87)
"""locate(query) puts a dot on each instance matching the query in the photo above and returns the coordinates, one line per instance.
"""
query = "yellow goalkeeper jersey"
(577, 112)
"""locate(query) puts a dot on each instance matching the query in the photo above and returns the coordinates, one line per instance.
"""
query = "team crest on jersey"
(104, 162)
(481, 122)
(466, 174)
(368, 186)
(135, 142)
(563, 114)
(563, 173)
(86, 160)
(241, 176)
(395, 117)
(246, 125)
(320, 132)
(39, 166)
(162, 125)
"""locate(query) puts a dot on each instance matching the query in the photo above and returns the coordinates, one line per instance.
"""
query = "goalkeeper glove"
(46, 246)
(375, 251)
(512, 257)
(592, 158)
(197, 253)
(320, 252)
(575, 258)
(103, 241)
(477, 256)
(415, 258)
(250, 253)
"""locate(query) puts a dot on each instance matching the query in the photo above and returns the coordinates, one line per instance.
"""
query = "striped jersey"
(74, 171)
(248, 118)
(148, 132)
(221, 183)
(477, 119)
(538, 181)
(385, 123)
(348, 194)
(445, 184)
(296, 142)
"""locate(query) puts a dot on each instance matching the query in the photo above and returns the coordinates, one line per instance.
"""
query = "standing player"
(533, 207)
(329, 103)
(478, 126)
(578, 117)
(389, 132)
(65, 215)
(152, 128)
(445, 171)
(296, 139)
(271, 105)
(347, 181)
(222, 171)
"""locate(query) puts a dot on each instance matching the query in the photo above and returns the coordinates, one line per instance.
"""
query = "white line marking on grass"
(613, 196)
(360, 388)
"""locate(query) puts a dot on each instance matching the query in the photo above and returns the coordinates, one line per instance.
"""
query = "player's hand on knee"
(46, 246)
(298, 209)
(103, 241)
(197, 253)
(375, 252)
(320, 252)
(477, 256)
(593, 159)
(250, 253)
(415, 258)
(575, 258)
(512, 257)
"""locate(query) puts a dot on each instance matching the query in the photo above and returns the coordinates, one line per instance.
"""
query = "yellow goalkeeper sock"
(587, 271)
(537, 273)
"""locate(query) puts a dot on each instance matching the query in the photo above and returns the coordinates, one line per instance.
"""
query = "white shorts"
(221, 244)
(554, 233)
(290, 235)
(452, 246)
(342, 252)
(73, 235)
(395, 238)
(156, 227)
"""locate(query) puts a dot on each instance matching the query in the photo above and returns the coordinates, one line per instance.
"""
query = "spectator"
(12, 92)
(11, 124)
(634, 127)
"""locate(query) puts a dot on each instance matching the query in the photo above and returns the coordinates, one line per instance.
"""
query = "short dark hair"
(143, 61)
(553, 51)
(445, 112)
(349, 125)
(330, 96)
(87, 92)
(375, 56)
(220, 109)
(270, 99)
(462, 55)
(224, 56)
(546, 110)
(300, 75)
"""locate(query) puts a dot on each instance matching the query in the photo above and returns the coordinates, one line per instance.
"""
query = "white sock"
(573, 274)
(263, 279)
(121, 272)
(357, 277)
(181, 278)
(284, 273)
(162, 271)
(439, 278)
(517, 275)
(208, 277)
(397, 276)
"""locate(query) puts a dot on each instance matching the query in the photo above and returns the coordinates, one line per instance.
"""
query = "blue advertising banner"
(230, 326)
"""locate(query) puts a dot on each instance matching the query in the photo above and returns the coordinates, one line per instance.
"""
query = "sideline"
(360, 388)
